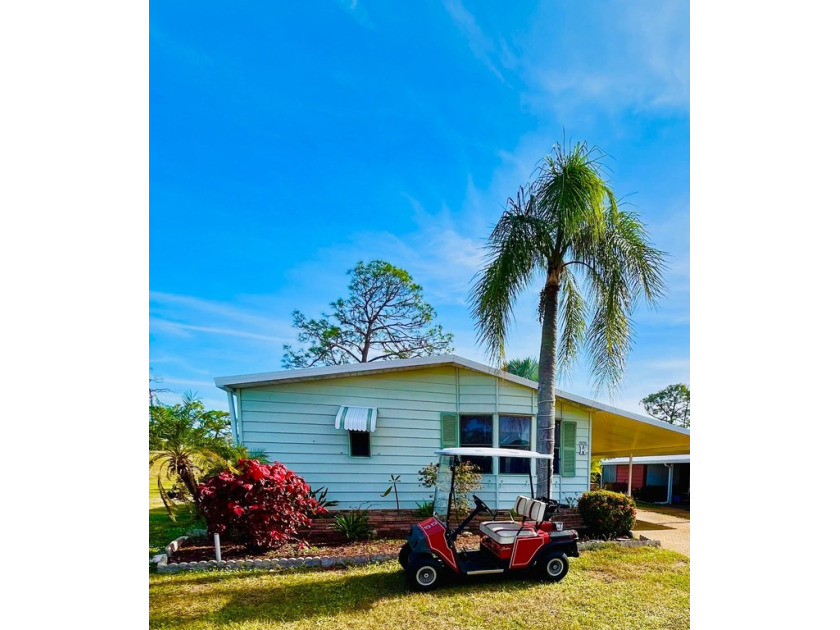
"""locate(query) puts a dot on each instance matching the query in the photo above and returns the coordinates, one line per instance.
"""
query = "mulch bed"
(198, 549)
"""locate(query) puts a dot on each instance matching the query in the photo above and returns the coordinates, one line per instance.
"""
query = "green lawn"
(612, 588)
(162, 530)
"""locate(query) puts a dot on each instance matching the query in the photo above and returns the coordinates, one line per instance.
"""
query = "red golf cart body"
(534, 543)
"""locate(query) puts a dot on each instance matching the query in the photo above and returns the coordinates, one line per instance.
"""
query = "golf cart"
(535, 545)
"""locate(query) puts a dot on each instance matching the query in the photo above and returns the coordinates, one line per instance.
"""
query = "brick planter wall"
(389, 524)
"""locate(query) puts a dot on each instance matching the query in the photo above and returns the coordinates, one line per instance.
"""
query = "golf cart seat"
(506, 532)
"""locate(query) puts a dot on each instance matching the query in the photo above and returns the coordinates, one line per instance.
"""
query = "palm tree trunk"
(545, 396)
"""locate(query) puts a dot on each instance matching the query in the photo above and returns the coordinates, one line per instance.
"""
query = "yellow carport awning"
(618, 433)
(616, 436)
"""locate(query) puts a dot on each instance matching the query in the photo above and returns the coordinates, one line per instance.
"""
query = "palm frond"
(528, 367)
(572, 322)
(514, 249)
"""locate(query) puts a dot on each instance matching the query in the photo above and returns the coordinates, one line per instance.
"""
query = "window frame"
(350, 445)
(529, 447)
(493, 436)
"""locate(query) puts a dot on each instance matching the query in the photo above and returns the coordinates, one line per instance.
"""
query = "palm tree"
(528, 367)
(183, 443)
(597, 262)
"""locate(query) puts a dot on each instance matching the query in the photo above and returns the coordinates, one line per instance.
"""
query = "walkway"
(674, 532)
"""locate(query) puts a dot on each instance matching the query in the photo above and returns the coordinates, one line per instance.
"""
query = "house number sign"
(581, 448)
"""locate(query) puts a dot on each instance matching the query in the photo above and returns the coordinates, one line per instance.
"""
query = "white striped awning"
(356, 418)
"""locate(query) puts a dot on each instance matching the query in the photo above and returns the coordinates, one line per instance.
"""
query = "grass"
(162, 530)
(615, 588)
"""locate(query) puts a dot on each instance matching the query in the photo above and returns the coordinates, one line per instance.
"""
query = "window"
(514, 432)
(608, 474)
(359, 443)
(477, 431)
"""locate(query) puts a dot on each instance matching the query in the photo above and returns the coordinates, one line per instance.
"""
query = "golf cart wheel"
(405, 552)
(554, 566)
(424, 573)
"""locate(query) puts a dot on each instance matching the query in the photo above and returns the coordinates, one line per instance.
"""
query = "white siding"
(295, 424)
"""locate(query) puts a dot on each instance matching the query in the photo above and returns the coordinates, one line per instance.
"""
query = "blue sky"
(289, 141)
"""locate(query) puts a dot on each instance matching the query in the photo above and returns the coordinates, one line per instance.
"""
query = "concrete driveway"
(673, 529)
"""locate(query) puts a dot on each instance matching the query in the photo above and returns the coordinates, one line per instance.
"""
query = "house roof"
(615, 432)
(657, 459)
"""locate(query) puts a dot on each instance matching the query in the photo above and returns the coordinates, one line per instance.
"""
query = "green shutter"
(448, 430)
(568, 432)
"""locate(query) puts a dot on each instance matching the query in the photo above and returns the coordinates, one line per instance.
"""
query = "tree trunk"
(545, 396)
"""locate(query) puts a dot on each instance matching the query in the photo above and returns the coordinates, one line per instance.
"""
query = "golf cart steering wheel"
(482, 505)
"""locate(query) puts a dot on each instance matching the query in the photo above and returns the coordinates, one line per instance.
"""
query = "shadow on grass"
(303, 594)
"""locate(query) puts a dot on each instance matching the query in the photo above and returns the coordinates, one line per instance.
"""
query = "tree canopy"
(672, 404)
(528, 367)
(383, 317)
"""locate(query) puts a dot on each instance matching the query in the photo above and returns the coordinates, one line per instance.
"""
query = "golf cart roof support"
(481, 451)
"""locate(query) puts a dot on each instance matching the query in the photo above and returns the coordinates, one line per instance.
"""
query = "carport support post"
(630, 477)
(670, 482)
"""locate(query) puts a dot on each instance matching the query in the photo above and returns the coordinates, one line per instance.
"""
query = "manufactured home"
(348, 428)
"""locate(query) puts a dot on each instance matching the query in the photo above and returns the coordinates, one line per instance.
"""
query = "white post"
(630, 477)
(218, 546)
(670, 481)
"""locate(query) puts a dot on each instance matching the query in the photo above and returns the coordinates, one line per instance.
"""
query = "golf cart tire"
(405, 552)
(553, 566)
(424, 573)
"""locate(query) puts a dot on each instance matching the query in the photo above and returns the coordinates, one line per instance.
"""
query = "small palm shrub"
(355, 524)
(320, 496)
(427, 508)
(607, 514)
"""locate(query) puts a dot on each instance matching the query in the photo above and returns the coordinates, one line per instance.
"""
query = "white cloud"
(481, 45)
(179, 329)
(633, 55)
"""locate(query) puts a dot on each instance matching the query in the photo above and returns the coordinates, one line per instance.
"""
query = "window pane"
(557, 448)
(359, 444)
(478, 431)
(514, 432)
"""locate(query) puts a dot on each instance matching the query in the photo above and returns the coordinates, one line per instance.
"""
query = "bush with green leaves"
(467, 481)
(426, 508)
(607, 514)
(355, 524)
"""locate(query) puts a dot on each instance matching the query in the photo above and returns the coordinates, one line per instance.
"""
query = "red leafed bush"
(265, 505)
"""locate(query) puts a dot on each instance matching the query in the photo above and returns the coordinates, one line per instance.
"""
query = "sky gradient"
(288, 142)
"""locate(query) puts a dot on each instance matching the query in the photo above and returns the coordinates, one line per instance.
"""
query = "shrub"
(266, 505)
(320, 495)
(467, 481)
(355, 524)
(426, 508)
(607, 514)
